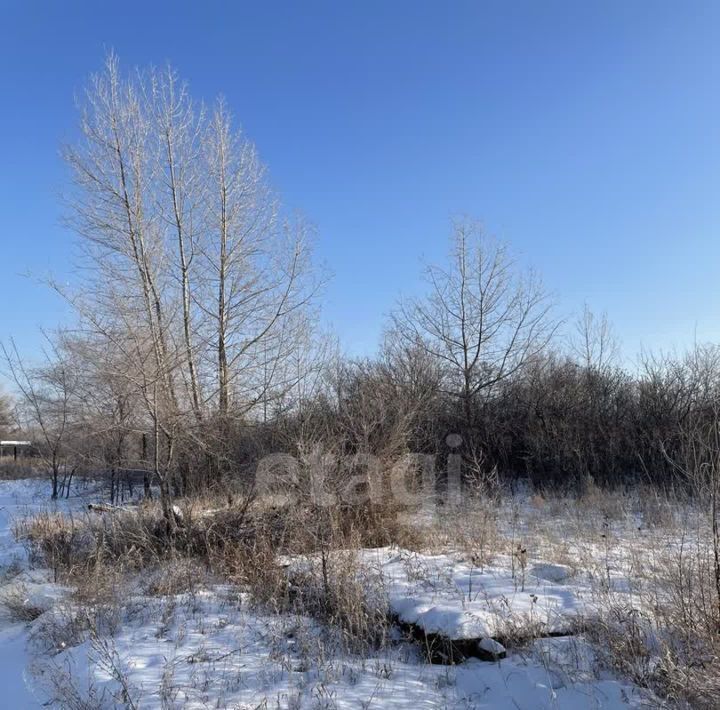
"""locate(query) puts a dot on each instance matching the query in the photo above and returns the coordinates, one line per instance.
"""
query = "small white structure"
(15, 445)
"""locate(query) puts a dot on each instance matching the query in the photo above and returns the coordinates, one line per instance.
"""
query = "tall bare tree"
(178, 127)
(257, 265)
(482, 319)
(114, 209)
(191, 273)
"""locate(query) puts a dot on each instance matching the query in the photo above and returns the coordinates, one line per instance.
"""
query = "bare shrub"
(52, 539)
(18, 606)
(64, 690)
(337, 589)
(680, 668)
(655, 508)
(175, 577)
(611, 504)
(64, 626)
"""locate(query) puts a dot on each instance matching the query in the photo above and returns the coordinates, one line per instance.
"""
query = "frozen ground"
(210, 651)
(447, 595)
(214, 648)
(19, 498)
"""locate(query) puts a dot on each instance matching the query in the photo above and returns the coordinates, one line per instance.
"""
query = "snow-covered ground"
(17, 499)
(447, 595)
(214, 648)
(212, 651)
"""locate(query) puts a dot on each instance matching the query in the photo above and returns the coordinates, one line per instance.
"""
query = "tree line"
(197, 347)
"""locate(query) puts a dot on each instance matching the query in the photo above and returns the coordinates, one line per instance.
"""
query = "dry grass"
(98, 553)
(665, 634)
(648, 560)
(338, 590)
(17, 605)
(11, 470)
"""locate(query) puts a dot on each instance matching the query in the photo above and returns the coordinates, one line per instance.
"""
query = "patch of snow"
(558, 574)
(445, 595)
(218, 653)
(17, 499)
(491, 646)
(212, 648)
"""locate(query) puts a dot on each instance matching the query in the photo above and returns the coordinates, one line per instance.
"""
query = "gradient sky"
(587, 134)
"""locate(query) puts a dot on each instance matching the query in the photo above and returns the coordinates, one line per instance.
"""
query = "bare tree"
(699, 459)
(5, 414)
(114, 210)
(138, 206)
(179, 129)
(108, 412)
(46, 395)
(593, 341)
(482, 319)
(257, 265)
(191, 274)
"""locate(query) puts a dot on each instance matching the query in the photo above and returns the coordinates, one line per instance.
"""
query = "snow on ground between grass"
(443, 594)
(215, 648)
(30, 588)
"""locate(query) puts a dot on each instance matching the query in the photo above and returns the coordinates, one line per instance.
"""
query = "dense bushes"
(558, 422)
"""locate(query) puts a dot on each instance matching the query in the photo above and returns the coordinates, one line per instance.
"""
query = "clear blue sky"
(585, 133)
